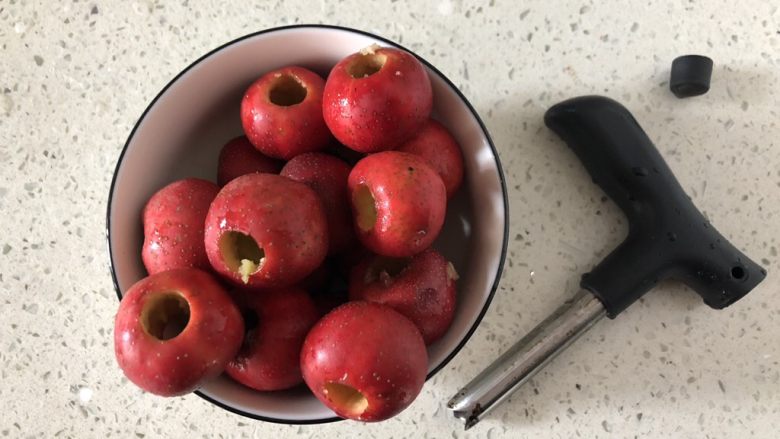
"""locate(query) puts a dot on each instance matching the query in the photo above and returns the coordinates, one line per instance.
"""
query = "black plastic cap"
(690, 75)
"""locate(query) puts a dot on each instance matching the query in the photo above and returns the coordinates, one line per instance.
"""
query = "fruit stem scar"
(385, 269)
(451, 272)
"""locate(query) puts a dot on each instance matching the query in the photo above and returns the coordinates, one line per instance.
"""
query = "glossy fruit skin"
(269, 358)
(284, 217)
(381, 111)
(410, 201)
(424, 290)
(284, 131)
(440, 150)
(371, 348)
(173, 221)
(239, 157)
(178, 365)
(327, 176)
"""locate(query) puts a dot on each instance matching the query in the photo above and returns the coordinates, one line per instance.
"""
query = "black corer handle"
(668, 237)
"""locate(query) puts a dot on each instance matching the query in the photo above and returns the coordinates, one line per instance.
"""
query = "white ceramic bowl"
(180, 135)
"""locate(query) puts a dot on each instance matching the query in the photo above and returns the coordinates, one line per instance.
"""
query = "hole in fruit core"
(349, 399)
(365, 207)
(287, 90)
(241, 254)
(366, 65)
(165, 315)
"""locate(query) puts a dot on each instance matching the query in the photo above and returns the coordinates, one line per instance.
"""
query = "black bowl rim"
(447, 81)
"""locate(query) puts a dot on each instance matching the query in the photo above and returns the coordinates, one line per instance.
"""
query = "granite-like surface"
(77, 74)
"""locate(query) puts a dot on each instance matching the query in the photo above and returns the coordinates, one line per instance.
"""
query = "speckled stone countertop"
(77, 74)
